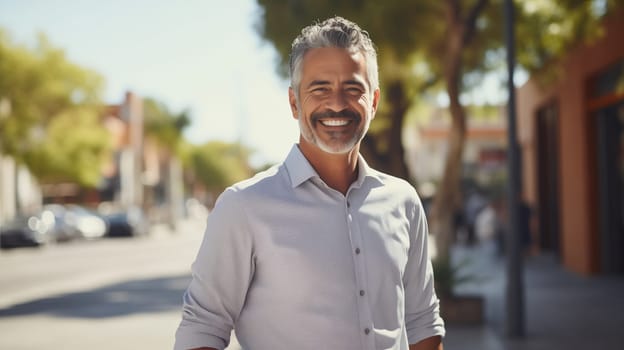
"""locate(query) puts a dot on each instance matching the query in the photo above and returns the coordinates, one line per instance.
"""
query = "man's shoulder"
(397, 189)
(392, 182)
(264, 182)
(254, 190)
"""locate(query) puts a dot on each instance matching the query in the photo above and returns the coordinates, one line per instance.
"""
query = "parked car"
(54, 216)
(86, 222)
(127, 223)
(24, 231)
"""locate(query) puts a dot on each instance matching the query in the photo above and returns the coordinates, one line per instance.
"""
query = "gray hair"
(333, 32)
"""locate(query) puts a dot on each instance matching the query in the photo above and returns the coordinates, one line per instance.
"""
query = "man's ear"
(292, 99)
(376, 95)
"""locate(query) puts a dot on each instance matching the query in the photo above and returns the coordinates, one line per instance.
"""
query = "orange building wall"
(577, 151)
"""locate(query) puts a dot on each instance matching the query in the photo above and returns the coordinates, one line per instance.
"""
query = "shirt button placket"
(356, 241)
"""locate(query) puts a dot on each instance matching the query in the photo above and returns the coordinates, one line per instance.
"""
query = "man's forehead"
(328, 62)
(329, 50)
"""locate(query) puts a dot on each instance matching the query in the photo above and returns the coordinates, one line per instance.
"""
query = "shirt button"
(366, 331)
(357, 250)
(362, 293)
(348, 205)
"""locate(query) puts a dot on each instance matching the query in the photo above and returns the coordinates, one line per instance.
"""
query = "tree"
(218, 164)
(450, 41)
(71, 148)
(460, 34)
(471, 40)
(52, 125)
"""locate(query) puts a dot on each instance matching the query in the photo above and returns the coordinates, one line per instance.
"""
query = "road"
(106, 294)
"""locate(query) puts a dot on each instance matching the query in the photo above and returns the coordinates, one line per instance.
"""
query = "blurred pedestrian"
(485, 224)
(523, 228)
(473, 205)
(321, 251)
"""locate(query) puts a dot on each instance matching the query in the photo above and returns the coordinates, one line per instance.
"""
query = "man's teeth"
(334, 122)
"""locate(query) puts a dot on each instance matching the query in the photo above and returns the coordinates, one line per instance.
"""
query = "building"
(19, 191)
(122, 175)
(571, 135)
(484, 157)
(139, 173)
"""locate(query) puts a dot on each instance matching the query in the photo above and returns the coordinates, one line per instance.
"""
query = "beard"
(335, 142)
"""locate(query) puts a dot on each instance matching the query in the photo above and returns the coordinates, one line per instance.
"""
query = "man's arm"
(221, 273)
(423, 323)
(431, 343)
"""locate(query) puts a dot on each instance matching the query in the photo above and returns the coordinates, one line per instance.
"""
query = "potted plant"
(454, 308)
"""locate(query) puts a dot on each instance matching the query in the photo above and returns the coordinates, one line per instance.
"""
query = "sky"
(201, 55)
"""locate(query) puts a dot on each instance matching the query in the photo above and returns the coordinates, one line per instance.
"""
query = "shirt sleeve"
(422, 310)
(221, 273)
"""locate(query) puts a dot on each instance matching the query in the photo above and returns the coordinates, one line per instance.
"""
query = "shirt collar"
(300, 170)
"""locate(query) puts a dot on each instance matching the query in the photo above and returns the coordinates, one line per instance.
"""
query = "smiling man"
(321, 251)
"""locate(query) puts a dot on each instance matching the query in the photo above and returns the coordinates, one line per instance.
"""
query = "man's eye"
(354, 90)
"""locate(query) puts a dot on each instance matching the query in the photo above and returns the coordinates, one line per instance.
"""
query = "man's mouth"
(336, 119)
(335, 122)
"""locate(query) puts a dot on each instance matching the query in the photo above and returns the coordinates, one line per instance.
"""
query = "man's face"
(335, 104)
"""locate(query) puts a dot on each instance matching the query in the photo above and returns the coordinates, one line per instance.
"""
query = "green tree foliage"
(52, 125)
(218, 164)
(547, 29)
(56, 156)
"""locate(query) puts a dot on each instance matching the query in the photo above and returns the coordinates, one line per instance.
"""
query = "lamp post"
(515, 318)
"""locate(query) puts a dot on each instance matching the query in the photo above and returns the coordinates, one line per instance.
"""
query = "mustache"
(345, 113)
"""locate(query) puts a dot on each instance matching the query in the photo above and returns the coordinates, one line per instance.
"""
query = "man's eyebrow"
(354, 82)
(314, 83)
(317, 83)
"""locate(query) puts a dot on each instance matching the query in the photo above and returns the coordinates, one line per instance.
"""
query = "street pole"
(5, 110)
(515, 280)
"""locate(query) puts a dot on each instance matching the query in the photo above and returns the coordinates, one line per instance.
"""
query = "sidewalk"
(563, 310)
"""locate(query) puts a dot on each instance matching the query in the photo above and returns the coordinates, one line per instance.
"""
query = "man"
(321, 251)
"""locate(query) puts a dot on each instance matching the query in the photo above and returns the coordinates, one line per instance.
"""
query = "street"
(106, 294)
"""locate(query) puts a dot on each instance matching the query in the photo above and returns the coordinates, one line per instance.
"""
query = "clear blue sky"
(199, 54)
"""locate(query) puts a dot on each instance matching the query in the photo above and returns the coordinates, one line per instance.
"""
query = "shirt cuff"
(188, 338)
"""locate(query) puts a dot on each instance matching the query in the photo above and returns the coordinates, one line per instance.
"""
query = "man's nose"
(336, 101)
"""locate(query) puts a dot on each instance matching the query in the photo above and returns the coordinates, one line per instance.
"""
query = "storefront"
(571, 132)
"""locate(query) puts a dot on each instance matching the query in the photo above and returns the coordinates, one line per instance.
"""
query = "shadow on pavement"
(121, 299)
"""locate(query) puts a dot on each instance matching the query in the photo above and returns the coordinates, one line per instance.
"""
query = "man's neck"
(338, 171)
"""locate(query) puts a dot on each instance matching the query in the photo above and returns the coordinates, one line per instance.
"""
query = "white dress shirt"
(291, 263)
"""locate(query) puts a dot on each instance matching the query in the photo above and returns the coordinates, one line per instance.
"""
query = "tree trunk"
(389, 157)
(399, 106)
(447, 198)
